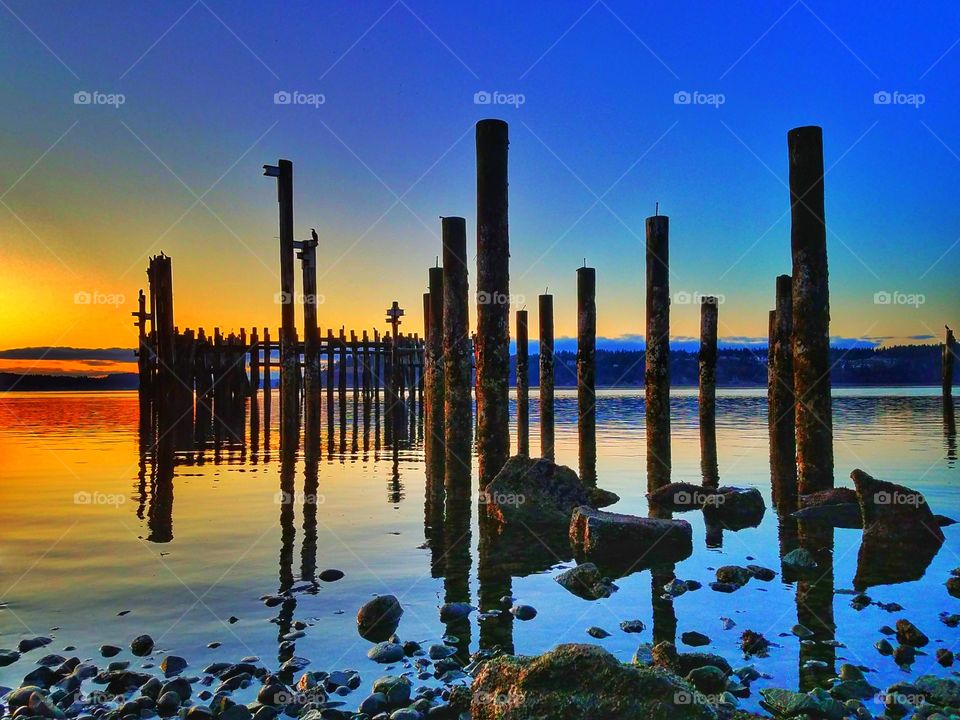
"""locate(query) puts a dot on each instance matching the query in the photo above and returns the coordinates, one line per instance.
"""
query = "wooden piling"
(523, 384)
(458, 410)
(493, 305)
(546, 377)
(267, 380)
(949, 353)
(707, 396)
(342, 374)
(657, 355)
(311, 338)
(433, 381)
(587, 373)
(254, 361)
(780, 397)
(811, 311)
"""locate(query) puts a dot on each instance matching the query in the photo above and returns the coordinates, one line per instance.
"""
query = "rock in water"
(586, 581)
(378, 618)
(680, 496)
(734, 508)
(626, 543)
(579, 681)
(535, 492)
(386, 652)
(799, 560)
(900, 533)
(910, 634)
(142, 645)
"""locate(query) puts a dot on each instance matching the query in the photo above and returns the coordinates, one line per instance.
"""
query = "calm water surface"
(89, 529)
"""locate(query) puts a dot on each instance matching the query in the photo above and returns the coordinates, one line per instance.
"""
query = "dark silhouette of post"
(289, 355)
(457, 350)
(523, 385)
(394, 408)
(587, 373)
(657, 355)
(949, 353)
(307, 253)
(433, 379)
(493, 305)
(811, 311)
(546, 376)
(707, 397)
(780, 398)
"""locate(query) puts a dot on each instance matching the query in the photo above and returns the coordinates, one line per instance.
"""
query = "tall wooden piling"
(657, 355)
(949, 353)
(161, 291)
(311, 337)
(433, 381)
(546, 377)
(707, 395)
(267, 380)
(493, 305)
(587, 373)
(780, 397)
(523, 384)
(458, 410)
(342, 374)
(811, 311)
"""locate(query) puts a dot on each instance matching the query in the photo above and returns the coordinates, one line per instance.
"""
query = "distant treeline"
(36, 383)
(741, 367)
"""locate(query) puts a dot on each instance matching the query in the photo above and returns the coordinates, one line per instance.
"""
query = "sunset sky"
(168, 155)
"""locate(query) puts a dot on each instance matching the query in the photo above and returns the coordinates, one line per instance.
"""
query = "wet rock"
(939, 691)
(395, 689)
(722, 587)
(733, 575)
(846, 515)
(709, 680)
(173, 665)
(373, 704)
(41, 676)
(119, 681)
(534, 492)
(727, 623)
(586, 581)
(378, 618)
(799, 560)
(600, 498)
(8, 657)
(450, 612)
(790, 704)
(109, 651)
(761, 573)
(168, 704)
(439, 652)
(523, 612)
(694, 639)
(909, 634)
(884, 647)
(626, 543)
(142, 645)
(180, 685)
(944, 657)
(904, 655)
(802, 631)
(666, 656)
(578, 681)
(28, 644)
(953, 586)
(680, 496)
(734, 508)
(330, 575)
(597, 632)
(386, 652)
(632, 626)
(51, 660)
(754, 643)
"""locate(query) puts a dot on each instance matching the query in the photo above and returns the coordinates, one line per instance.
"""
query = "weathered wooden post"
(366, 365)
(307, 253)
(657, 356)
(433, 359)
(546, 377)
(161, 290)
(289, 360)
(254, 361)
(342, 374)
(782, 411)
(394, 409)
(354, 364)
(811, 311)
(267, 383)
(457, 351)
(523, 384)
(587, 373)
(493, 299)
(331, 364)
(949, 353)
(144, 359)
(707, 397)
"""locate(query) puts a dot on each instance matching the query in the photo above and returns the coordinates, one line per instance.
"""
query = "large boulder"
(581, 682)
(586, 581)
(378, 618)
(626, 543)
(534, 492)
(734, 508)
(680, 496)
(901, 535)
(836, 507)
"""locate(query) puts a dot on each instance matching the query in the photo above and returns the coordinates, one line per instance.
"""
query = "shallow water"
(88, 528)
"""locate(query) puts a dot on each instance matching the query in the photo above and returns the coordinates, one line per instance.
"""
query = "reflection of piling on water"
(457, 352)
(815, 607)
(811, 311)
(657, 355)
(523, 385)
(494, 583)
(587, 373)
(949, 429)
(457, 542)
(781, 410)
(493, 306)
(707, 395)
(546, 377)
(664, 615)
(949, 353)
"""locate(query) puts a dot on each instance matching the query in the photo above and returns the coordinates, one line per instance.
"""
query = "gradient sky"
(87, 192)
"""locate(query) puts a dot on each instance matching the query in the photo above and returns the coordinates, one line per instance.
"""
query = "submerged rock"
(799, 560)
(535, 492)
(580, 681)
(790, 704)
(734, 508)
(586, 581)
(626, 543)
(378, 618)
(680, 496)
(910, 634)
